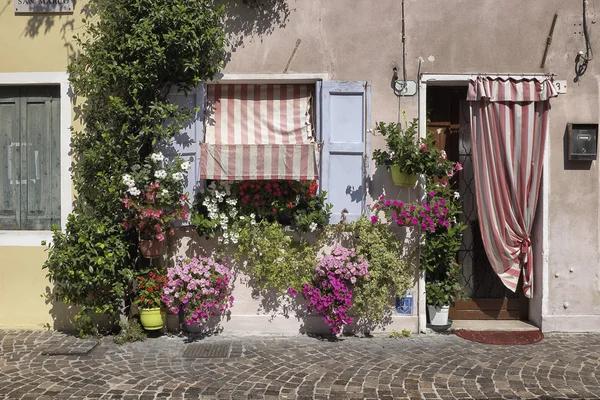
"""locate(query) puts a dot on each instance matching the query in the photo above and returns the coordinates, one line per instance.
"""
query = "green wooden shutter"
(40, 158)
(10, 207)
(30, 140)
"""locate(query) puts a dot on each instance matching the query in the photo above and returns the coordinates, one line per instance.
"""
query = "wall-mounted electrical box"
(583, 141)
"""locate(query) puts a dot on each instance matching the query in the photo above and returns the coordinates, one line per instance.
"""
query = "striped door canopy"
(258, 132)
(509, 126)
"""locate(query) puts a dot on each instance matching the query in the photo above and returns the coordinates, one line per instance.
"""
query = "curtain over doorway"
(509, 126)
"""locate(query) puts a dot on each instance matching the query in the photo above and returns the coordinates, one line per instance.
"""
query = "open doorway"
(487, 297)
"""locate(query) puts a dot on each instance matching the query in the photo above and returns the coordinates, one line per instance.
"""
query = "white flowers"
(456, 195)
(128, 180)
(185, 165)
(178, 176)
(160, 174)
(313, 227)
(157, 157)
(134, 191)
(135, 167)
(164, 192)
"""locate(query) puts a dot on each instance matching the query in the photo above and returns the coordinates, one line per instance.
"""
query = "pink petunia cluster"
(200, 286)
(330, 294)
(427, 215)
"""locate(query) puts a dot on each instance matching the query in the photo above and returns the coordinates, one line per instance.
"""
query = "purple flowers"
(200, 286)
(330, 294)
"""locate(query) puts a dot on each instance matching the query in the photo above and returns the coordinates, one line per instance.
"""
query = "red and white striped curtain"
(258, 132)
(509, 125)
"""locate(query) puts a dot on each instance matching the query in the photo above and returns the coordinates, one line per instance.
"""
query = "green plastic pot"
(402, 178)
(152, 319)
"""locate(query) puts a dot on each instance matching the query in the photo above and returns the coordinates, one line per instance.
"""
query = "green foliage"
(132, 54)
(389, 272)
(273, 258)
(89, 265)
(412, 154)
(405, 333)
(438, 252)
(131, 331)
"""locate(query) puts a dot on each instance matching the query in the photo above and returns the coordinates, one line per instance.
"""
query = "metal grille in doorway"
(478, 278)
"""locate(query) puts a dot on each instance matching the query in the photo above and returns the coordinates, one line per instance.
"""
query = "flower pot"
(402, 178)
(438, 315)
(152, 319)
(151, 248)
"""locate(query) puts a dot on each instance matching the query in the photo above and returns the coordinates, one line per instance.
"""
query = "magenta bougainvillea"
(330, 293)
(200, 286)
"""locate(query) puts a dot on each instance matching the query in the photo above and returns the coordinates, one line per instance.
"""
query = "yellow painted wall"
(32, 43)
(39, 42)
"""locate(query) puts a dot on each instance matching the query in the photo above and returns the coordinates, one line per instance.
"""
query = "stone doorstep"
(493, 325)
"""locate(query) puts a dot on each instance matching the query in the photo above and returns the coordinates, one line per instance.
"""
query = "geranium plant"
(200, 286)
(413, 155)
(150, 289)
(330, 293)
(153, 196)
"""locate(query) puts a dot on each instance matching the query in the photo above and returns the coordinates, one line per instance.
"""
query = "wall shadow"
(252, 18)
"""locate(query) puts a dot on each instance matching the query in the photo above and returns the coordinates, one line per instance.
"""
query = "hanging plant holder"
(151, 248)
(402, 178)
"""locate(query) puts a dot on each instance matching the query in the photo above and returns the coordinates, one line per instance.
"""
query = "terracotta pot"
(402, 178)
(151, 248)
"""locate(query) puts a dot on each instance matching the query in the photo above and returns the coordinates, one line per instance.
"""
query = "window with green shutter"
(30, 157)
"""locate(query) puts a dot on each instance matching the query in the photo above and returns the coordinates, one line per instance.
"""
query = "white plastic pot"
(438, 315)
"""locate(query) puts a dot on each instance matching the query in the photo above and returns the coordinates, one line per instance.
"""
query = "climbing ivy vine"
(133, 53)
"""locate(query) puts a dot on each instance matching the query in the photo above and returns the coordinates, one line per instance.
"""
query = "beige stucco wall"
(359, 40)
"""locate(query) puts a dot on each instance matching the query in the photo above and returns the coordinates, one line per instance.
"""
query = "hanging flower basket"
(402, 178)
(151, 248)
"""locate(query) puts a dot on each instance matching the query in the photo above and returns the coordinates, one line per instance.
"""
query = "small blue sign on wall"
(404, 305)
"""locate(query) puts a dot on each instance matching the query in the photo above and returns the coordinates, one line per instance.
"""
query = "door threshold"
(493, 325)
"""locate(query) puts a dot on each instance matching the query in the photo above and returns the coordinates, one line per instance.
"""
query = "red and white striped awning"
(510, 89)
(258, 132)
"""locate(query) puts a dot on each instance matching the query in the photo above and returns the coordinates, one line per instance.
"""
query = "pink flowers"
(330, 294)
(458, 166)
(423, 147)
(201, 286)
(426, 215)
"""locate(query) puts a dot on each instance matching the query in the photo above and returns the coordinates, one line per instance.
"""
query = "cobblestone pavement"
(420, 367)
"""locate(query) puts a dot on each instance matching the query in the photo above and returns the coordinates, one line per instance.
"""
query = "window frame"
(34, 238)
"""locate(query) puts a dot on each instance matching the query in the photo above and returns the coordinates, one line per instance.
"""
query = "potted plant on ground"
(154, 198)
(407, 156)
(200, 287)
(149, 300)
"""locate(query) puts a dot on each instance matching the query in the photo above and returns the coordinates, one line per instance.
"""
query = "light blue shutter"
(10, 140)
(345, 117)
(187, 143)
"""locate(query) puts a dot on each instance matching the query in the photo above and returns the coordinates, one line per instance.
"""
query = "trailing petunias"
(200, 286)
(330, 293)
(428, 215)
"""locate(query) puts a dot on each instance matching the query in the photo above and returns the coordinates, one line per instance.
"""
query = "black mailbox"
(583, 140)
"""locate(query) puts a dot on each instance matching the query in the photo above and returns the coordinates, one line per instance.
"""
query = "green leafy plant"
(150, 287)
(89, 265)
(273, 258)
(132, 55)
(404, 333)
(131, 331)
(412, 154)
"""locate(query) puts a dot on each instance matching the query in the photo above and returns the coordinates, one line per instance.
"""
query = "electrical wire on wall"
(399, 92)
(583, 58)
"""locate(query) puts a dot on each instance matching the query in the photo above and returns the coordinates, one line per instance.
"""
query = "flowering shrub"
(150, 289)
(200, 286)
(412, 154)
(330, 293)
(154, 196)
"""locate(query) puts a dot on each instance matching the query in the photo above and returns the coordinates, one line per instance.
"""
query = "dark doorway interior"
(487, 297)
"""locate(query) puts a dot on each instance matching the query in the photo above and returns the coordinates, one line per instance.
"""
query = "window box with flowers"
(154, 198)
